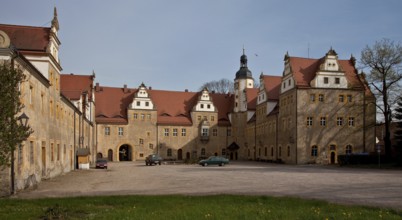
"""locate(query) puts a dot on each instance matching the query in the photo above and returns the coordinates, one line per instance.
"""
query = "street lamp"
(22, 121)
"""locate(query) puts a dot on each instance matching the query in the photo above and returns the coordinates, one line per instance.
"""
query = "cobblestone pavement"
(335, 184)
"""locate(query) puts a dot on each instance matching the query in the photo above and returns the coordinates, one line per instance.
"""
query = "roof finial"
(244, 50)
(55, 21)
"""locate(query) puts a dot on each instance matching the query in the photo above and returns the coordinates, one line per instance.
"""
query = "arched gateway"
(125, 153)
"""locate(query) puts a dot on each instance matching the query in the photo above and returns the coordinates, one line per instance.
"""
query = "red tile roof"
(251, 98)
(305, 69)
(72, 86)
(272, 86)
(27, 37)
(173, 107)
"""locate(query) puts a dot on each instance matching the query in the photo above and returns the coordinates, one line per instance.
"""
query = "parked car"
(101, 163)
(214, 160)
(153, 159)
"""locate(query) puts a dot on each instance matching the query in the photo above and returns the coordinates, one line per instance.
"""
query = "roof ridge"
(24, 26)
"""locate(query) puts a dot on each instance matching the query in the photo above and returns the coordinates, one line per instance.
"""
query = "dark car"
(214, 160)
(153, 159)
(101, 163)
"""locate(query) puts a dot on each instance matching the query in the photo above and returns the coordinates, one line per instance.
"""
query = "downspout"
(295, 141)
(276, 136)
(75, 140)
(364, 121)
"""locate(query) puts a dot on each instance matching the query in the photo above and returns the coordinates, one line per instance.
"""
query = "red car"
(101, 163)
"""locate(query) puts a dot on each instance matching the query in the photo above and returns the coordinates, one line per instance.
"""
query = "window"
(166, 132)
(341, 98)
(351, 121)
(280, 152)
(325, 80)
(183, 132)
(208, 106)
(147, 104)
(348, 149)
(337, 80)
(107, 130)
(339, 121)
(323, 121)
(309, 121)
(349, 98)
(203, 152)
(212, 118)
(229, 132)
(321, 98)
(199, 118)
(31, 152)
(175, 132)
(259, 152)
(202, 105)
(58, 152)
(272, 151)
(223, 151)
(141, 141)
(314, 151)
(148, 116)
(289, 82)
(204, 132)
(284, 85)
(151, 146)
(215, 132)
(265, 151)
(20, 154)
(51, 152)
(312, 97)
(142, 116)
(135, 115)
(288, 151)
(121, 131)
(169, 152)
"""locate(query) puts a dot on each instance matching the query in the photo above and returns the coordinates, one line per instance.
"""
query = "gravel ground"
(382, 188)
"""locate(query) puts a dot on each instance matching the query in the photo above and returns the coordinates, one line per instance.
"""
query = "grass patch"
(186, 207)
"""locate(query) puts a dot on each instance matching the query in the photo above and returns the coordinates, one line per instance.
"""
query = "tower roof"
(243, 72)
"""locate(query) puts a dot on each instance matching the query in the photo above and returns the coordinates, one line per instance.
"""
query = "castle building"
(61, 123)
(318, 109)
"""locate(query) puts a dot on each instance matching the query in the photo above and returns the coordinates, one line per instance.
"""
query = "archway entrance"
(332, 149)
(125, 153)
(99, 155)
(188, 155)
(180, 154)
(110, 155)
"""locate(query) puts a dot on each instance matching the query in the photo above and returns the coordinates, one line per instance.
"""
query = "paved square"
(335, 184)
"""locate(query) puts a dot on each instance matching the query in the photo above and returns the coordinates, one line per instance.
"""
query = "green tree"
(398, 132)
(12, 133)
(384, 60)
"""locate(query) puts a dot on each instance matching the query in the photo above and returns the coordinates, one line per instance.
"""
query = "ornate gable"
(204, 103)
(142, 99)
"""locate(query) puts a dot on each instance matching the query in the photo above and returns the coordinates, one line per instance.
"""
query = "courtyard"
(380, 188)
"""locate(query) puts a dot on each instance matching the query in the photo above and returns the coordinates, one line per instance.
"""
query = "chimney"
(150, 88)
(125, 90)
(186, 90)
(97, 88)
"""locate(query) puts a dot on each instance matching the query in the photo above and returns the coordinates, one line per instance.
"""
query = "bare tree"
(384, 61)
(221, 86)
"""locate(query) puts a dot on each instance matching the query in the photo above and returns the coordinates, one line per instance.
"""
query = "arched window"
(203, 152)
(314, 151)
(348, 149)
(272, 151)
(280, 152)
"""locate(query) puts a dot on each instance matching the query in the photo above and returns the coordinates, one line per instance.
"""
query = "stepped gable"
(112, 104)
(252, 94)
(27, 38)
(304, 71)
(173, 107)
(272, 86)
(224, 104)
(72, 86)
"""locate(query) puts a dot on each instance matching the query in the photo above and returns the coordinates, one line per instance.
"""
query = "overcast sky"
(180, 44)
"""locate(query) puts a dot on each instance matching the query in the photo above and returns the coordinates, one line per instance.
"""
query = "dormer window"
(208, 106)
(202, 105)
(147, 104)
(325, 80)
(138, 103)
(337, 80)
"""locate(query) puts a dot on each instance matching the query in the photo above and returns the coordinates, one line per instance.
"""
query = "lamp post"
(22, 121)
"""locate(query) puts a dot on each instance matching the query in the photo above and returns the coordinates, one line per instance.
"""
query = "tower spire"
(55, 21)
